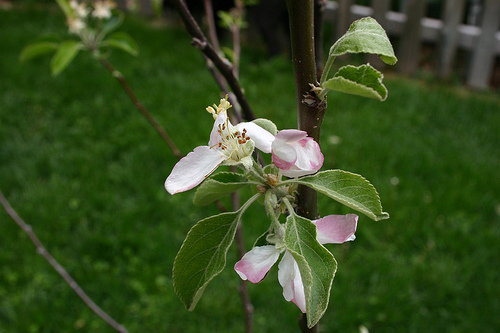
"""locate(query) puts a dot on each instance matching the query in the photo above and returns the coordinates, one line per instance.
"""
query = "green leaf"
(365, 36)
(122, 41)
(217, 186)
(66, 52)
(316, 264)
(350, 189)
(203, 256)
(112, 24)
(266, 124)
(37, 49)
(363, 81)
(226, 19)
(228, 52)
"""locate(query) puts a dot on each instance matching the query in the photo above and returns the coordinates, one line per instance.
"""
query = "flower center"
(233, 143)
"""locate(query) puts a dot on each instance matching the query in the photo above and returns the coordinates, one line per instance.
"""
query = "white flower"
(102, 9)
(228, 144)
(296, 154)
(75, 24)
(255, 264)
(81, 10)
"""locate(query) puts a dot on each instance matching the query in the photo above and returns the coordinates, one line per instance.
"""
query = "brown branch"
(130, 93)
(212, 31)
(238, 12)
(224, 66)
(319, 14)
(310, 110)
(40, 249)
(219, 79)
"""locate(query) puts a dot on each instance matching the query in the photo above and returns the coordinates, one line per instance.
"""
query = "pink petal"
(260, 136)
(257, 262)
(309, 156)
(291, 281)
(291, 135)
(296, 154)
(284, 155)
(336, 229)
(193, 168)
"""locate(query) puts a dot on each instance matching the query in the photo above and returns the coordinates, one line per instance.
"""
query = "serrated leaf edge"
(359, 208)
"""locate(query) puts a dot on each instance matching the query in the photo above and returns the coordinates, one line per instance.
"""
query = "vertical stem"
(245, 298)
(309, 115)
(319, 13)
(236, 32)
(212, 31)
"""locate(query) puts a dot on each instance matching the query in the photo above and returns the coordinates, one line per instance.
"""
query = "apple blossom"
(75, 25)
(296, 154)
(81, 10)
(102, 9)
(332, 229)
(228, 144)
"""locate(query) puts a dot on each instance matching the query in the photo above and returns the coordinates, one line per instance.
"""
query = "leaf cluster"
(203, 253)
(364, 36)
(99, 40)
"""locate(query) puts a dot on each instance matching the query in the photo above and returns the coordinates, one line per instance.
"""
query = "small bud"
(271, 179)
(261, 189)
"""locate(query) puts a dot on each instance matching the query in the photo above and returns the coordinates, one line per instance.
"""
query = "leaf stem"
(326, 69)
(275, 223)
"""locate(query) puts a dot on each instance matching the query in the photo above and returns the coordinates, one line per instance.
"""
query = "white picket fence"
(413, 28)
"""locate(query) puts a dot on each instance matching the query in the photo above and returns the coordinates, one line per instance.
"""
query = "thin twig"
(223, 65)
(236, 32)
(40, 249)
(219, 79)
(130, 93)
(245, 299)
(212, 31)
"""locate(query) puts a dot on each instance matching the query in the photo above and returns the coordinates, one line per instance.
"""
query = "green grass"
(81, 165)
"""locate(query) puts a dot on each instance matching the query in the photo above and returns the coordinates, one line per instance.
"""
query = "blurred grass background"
(82, 166)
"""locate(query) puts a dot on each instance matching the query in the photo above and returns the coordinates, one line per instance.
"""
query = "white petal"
(286, 274)
(298, 288)
(257, 262)
(336, 229)
(214, 135)
(260, 136)
(193, 169)
(284, 155)
(309, 156)
(291, 281)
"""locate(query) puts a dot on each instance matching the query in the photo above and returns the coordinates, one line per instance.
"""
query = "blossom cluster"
(293, 152)
(294, 155)
(77, 20)
(331, 229)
